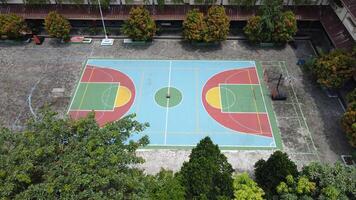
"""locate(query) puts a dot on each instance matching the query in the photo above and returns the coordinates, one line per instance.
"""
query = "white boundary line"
(301, 111)
(264, 103)
(167, 106)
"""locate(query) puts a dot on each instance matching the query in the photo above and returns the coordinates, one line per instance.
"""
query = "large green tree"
(207, 174)
(246, 189)
(63, 159)
(269, 173)
(140, 25)
(12, 26)
(57, 26)
(332, 182)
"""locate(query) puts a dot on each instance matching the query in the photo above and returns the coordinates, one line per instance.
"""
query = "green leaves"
(246, 189)
(273, 171)
(139, 26)
(207, 174)
(271, 25)
(57, 26)
(12, 26)
(334, 69)
(214, 27)
(63, 159)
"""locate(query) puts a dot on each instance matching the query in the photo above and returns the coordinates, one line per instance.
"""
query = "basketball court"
(183, 101)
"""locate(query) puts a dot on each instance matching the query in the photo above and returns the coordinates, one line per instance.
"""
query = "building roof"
(351, 6)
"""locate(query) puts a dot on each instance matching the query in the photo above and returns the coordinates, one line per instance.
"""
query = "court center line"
(167, 105)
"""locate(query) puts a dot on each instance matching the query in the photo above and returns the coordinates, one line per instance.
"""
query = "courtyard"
(308, 121)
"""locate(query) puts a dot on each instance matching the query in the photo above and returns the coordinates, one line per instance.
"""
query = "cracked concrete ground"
(309, 120)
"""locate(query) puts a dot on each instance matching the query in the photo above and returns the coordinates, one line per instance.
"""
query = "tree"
(12, 26)
(212, 28)
(217, 23)
(246, 189)
(207, 174)
(285, 28)
(334, 69)
(140, 25)
(273, 171)
(301, 188)
(194, 26)
(253, 29)
(349, 123)
(57, 26)
(64, 159)
(271, 24)
(332, 182)
(166, 186)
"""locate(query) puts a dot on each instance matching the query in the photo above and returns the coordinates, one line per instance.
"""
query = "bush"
(334, 69)
(217, 23)
(207, 174)
(271, 25)
(57, 26)
(273, 171)
(246, 189)
(194, 26)
(301, 188)
(212, 28)
(12, 26)
(140, 25)
(285, 28)
(332, 182)
(349, 123)
(253, 29)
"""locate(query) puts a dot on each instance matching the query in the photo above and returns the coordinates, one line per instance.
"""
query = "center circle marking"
(168, 97)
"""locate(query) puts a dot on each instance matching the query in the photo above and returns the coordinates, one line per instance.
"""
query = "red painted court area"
(253, 122)
(98, 75)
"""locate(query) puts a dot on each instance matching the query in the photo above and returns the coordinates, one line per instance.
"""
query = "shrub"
(12, 26)
(349, 123)
(337, 181)
(271, 25)
(334, 69)
(194, 26)
(273, 171)
(217, 24)
(140, 25)
(57, 26)
(207, 174)
(212, 28)
(285, 28)
(253, 29)
(246, 189)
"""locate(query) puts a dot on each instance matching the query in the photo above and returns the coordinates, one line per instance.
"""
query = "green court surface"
(95, 96)
(241, 98)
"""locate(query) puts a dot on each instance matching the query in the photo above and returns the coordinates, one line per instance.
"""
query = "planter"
(267, 44)
(204, 44)
(136, 42)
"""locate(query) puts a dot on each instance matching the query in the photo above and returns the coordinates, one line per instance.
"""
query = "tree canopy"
(12, 26)
(63, 159)
(214, 27)
(246, 189)
(269, 173)
(57, 26)
(207, 174)
(140, 25)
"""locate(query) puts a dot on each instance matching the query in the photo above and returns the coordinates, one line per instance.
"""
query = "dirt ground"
(309, 120)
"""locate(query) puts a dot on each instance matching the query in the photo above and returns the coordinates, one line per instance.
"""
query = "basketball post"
(277, 94)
